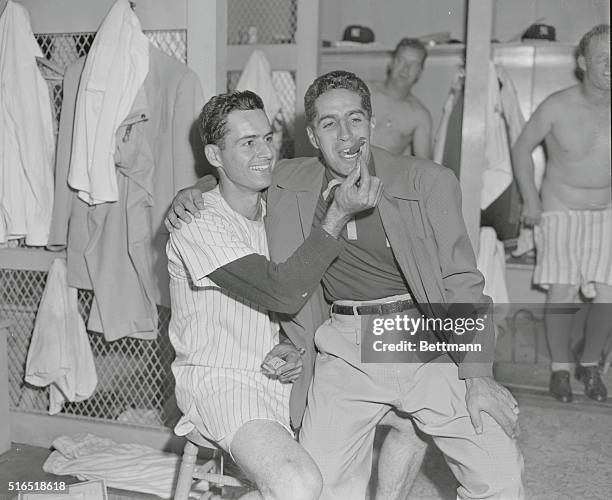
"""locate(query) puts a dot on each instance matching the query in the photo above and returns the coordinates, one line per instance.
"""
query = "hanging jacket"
(118, 249)
(26, 133)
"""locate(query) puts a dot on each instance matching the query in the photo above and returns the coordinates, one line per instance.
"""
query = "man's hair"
(412, 43)
(584, 44)
(336, 80)
(212, 122)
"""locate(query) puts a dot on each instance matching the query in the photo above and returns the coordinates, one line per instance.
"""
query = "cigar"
(357, 146)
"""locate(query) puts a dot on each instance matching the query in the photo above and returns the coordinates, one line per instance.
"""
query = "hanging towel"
(115, 69)
(59, 353)
(491, 263)
(125, 466)
(257, 77)
(27, 144)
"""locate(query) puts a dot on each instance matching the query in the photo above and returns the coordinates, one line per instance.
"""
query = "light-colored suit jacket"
(421, 215)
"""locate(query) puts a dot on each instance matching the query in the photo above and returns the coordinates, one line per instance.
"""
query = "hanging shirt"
(115, 69)
(26, 133)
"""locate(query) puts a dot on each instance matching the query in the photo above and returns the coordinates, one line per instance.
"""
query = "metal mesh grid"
(275, 21)
(135, 383)
(284, 83)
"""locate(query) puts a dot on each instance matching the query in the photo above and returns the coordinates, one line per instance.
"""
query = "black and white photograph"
(305, 249)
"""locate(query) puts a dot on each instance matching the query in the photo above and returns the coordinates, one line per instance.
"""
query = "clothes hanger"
(2, 6)
(43, 61)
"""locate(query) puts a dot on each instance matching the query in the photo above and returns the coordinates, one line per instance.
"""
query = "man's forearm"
(281, 287)
(524, 173)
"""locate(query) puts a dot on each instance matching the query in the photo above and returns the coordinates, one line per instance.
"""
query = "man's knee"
(297, 481)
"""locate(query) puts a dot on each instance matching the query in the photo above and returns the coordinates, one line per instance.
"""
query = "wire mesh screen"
(135, 383)
(284, 84)
(261, 21)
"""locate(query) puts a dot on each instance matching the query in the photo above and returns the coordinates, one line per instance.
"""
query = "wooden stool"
(211, 472)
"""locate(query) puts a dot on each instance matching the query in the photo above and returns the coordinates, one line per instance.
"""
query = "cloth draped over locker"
(257, 77)
(123, 151)
(26, 133)
(59, 354)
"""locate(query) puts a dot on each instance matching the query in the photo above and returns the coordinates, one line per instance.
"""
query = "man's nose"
(344, 131)
(265, 149)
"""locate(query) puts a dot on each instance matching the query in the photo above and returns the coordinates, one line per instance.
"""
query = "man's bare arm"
(534, 132)
(421, 140)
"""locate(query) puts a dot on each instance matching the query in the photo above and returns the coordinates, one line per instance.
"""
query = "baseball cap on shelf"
(356, 33)
(540, 32)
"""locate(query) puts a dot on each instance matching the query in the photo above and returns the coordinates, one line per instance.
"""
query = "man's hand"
(485, 394)
(188, 202)
(531, 213)
(358, 192)
(290, 370)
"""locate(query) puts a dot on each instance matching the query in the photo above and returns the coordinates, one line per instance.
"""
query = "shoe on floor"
(560, 386)
(594, 388)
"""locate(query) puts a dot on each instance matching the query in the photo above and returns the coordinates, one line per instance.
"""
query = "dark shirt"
(365, 268)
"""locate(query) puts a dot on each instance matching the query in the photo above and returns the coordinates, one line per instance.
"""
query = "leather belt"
(384, 308)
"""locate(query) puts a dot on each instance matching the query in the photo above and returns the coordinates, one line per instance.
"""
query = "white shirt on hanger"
(115, 69)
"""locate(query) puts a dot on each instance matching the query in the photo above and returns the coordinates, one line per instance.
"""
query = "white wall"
(393, 19)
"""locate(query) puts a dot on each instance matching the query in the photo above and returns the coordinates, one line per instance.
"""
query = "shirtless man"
(572, 214)
(403, 124)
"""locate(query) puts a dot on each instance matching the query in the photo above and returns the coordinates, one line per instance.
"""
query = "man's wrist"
(335, 220)
(471, 380)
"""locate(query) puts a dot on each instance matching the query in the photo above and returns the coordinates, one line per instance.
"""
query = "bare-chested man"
(572, 214)
(403, 124)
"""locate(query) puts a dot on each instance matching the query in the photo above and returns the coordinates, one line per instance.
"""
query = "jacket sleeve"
(463, 282)
(284, 287)
(62, 203)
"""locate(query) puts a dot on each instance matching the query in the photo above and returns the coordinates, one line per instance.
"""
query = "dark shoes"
(594, 388)
(560, 386)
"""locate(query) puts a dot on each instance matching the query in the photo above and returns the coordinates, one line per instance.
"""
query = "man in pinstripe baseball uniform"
(222, 286)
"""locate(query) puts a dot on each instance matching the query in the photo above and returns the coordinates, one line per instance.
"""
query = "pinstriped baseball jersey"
(220, 339)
